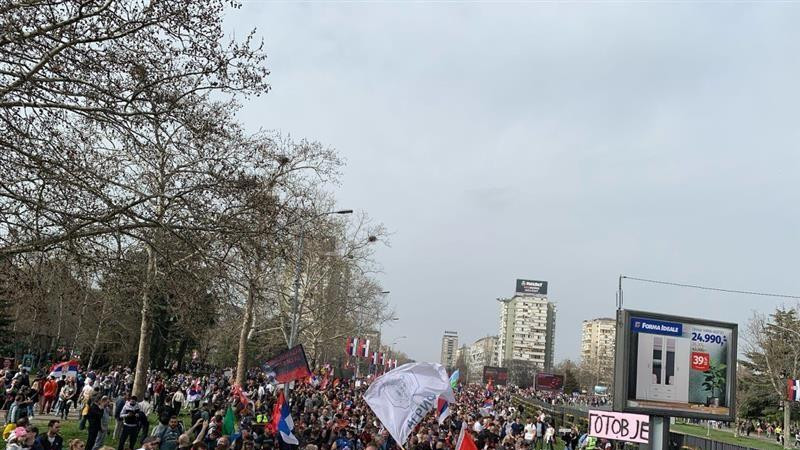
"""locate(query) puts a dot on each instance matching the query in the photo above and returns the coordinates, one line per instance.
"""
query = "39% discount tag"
(701, 361)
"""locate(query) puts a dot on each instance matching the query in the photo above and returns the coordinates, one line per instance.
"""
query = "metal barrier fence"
(567, 416)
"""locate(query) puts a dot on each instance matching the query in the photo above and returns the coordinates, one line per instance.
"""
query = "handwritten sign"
(619, 426)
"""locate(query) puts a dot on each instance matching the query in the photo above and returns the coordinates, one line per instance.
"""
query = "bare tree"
(69, 70)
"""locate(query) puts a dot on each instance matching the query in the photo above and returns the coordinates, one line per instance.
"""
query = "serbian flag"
(352, 346)
(465, 441)
(374, 358)
(383, 359)
(66, 368)
(364, 348)
(442, 405)
(282, 418)
(442, 410)
(793, 390)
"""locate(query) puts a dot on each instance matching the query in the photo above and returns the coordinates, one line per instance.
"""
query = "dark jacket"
(58, 442)
(95, 416)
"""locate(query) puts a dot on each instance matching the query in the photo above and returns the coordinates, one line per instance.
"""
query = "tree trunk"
(241, 361)
(96, 341)
(182, 353)
(80, 317)
(146, 329)
(787, 422)
(60, 318)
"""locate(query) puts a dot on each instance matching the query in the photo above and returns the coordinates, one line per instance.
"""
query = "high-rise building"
(597, 348)
(449, 348)
(482, 352)
(527, 326)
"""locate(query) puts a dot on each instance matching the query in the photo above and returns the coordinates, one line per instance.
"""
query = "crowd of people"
(564, 399)
(191, 413)
(767, 429)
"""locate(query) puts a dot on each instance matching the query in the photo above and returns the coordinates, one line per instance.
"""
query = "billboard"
(498, 375)
(531, 287)
(549, 382)
(675, 366)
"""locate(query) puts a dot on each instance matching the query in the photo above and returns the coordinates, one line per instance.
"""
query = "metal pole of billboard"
(619, 293)
(659, 434)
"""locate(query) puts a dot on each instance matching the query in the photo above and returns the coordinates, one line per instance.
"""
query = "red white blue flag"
(793, 390)
(66, 368)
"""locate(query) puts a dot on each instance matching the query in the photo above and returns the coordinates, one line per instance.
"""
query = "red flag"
(465, 441)
(241, 395)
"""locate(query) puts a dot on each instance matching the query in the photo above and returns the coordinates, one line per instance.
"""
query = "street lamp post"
(294, 325)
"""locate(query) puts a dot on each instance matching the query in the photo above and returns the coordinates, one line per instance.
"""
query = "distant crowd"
(182, 411)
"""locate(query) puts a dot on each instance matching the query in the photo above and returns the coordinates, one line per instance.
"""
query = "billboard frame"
(622, 360)
(562, 378)
(498, 370)
(541, 289)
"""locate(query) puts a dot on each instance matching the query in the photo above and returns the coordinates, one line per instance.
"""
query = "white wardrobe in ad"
(663, 371)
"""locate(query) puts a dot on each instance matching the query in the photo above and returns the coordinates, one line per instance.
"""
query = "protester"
(52, 440)
(130, 421)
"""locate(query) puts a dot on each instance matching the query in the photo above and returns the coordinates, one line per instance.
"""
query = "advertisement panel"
(498, 375)
(531, 287)
(675, 366)
(549, 382)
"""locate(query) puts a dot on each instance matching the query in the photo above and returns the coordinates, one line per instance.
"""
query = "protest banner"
(619, 426)
(289, 365)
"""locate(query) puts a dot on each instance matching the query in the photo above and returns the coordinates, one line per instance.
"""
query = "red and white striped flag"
(793, 390)
(352, 346)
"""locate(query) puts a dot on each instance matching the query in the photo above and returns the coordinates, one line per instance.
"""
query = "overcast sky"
(561, 142)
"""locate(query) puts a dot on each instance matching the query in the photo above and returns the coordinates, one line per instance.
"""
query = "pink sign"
(619, 426)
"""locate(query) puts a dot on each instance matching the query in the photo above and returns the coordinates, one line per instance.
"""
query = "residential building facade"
(449, 354)
(597, 348)
(482, 352)
(527, 326)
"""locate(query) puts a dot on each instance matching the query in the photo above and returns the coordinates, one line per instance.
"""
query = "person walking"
(49, 390)
(549, 435)
(65, 399)
(104, 422)
(94, 418)
(177, 402)
(130, 423)
(118, 405)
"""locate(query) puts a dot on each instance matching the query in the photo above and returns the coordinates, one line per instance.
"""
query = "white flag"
(402, 397)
